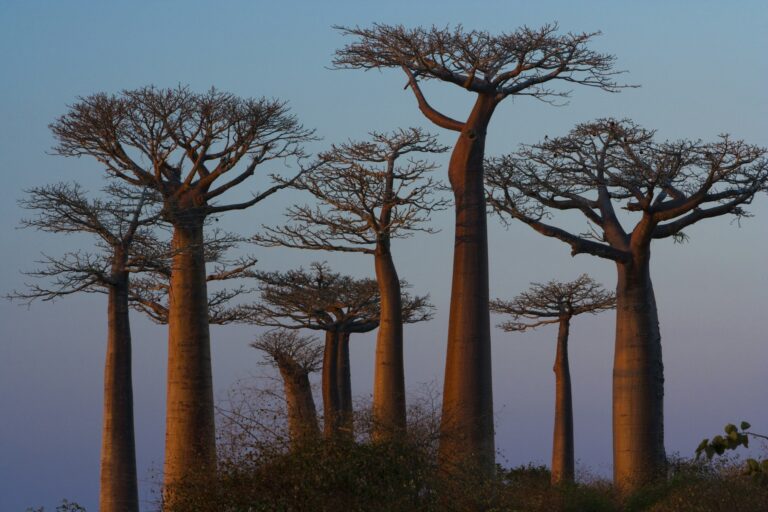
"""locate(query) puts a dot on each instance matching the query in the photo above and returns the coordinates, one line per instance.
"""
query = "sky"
(702, 71)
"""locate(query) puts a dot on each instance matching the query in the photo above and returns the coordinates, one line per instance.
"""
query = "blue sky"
(702, 71)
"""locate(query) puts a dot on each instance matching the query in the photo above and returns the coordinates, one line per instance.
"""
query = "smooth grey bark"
(118, 491)
(466, 429)
(389, 418)
(331, 403)
(562, 443)
(190, 435)
(302, 415)
(344, 387)
(638, 378)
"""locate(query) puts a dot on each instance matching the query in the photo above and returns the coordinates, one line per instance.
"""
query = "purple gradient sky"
(702, 69)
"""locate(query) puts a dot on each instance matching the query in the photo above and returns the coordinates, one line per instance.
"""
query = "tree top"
(552, 302)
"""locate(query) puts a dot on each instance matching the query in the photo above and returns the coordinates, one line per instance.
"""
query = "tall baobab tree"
(295, 357)
(667, 186)
(120, 223)
(368, 197)
(492, 67)
(556, 303)
(320, 299)
(191, 149)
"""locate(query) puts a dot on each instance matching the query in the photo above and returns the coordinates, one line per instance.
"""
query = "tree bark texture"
(190, 433)
(389, 372)
(302, 415)
(562, 443)
(466, 427)
(638, 379)
(344, 387)
(329, 384)
(118, 484)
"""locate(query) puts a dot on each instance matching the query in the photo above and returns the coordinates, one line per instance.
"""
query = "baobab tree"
(295, 357)
(669, 186)
(191, 149)
(557, 303)
(120, 223)
(367, 198)
(322, 300)
(492, 67)
(150, 290)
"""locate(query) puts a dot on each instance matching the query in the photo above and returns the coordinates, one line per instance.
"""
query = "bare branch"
(548, 303)
(608, 163)
(182, 144)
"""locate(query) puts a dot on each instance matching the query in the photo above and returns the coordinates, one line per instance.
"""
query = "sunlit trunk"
(638, 379)
(190, 437)
(466, 427)
(562, 443)
(344, 387)
(118, 488)
(389, 373)
(302, 415)
(329, 384)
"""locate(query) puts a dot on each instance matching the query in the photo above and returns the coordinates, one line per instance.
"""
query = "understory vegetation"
(260, 471)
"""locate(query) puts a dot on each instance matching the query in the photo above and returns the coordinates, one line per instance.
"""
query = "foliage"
(259, 472)
(731, 441)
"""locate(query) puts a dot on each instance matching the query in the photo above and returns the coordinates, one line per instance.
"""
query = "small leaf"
(730, 428)
(745, 425)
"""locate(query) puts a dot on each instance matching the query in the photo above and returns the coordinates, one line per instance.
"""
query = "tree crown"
(367, 196)
(121, 222)
(320, 299)
(522, 62)
(189, 147)
(610, 163)
(552, 302)
(287, 349)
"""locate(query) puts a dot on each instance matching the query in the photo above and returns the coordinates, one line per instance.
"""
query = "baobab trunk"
(466, 427)
(562, 443)
(638, 379)
(389, 372)
(329, 384)
(344, 387)
(118, 486)
(190, 437)
(302, 416)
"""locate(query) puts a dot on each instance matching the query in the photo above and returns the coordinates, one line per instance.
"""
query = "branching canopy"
(121, 223)
(288, 349)
(367, 197)
(522, 62)
(606, 164)
(190, 148)
(319, 299)
(549, 303)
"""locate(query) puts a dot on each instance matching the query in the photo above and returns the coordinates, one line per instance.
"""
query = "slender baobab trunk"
(190, 436)
(562, 443)
(638, 379)
(302, 415)
(329, 384)
(344, 387)
(389, 372)
(467, 418)
(118, 489)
